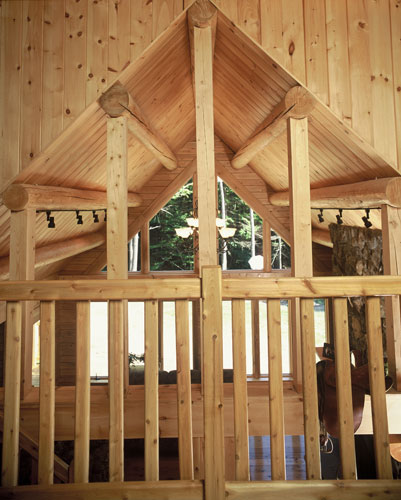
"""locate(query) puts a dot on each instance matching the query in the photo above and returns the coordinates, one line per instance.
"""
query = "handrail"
(190, 288)
(100, 290)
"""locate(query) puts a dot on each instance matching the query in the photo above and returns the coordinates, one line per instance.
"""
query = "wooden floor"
(260, 463)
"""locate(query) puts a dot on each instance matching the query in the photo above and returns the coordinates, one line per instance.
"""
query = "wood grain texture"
(276, 397)
(75, 42)
(391, 233)
(96, 51)
(213, 406)
(240, 391)
(345, 414)
(116, 389)
(395, 24)
(309, 386)
(151, 392)
(205, 145)
(184, 400)
(10, 86)
(82, 394)
(141, 28)
(47, 393)
(12, 382)
(53, 71)
(316, 48)
(255, 338)
(31, 101)
(119, 33)
(377, 389)
(117, 216)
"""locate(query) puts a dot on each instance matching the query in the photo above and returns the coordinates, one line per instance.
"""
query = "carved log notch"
(297, 103)
(116, 102)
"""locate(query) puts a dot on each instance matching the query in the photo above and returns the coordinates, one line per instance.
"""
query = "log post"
(22, 267)
(303, 335)
(117, 268)
(213, 393)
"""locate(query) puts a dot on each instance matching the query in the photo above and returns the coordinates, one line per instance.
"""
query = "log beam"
(57, 251)
(297, 103)
(366, 194)
(117, 101)
(24, 196)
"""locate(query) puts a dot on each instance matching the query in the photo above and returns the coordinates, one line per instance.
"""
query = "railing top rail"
(190, 288)
(102, 290)
(333, 286)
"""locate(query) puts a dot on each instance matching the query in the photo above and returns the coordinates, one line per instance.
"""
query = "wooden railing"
(212, 290)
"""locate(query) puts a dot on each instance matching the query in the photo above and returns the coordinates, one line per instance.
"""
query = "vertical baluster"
(117, 363)
(151, 392)
(377, 389)
(345, 413)
(82, 394)
(309, 383)
(240, 391)
(12, 384)
(255, 338)
(184, 401)
(47, 393)
(276, 399)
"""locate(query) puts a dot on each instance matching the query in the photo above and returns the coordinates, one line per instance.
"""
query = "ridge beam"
(297, 103)
(25, 196)
(117, 101)
(365, 194)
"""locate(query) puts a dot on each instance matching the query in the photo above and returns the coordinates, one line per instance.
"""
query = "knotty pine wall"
(58, 55)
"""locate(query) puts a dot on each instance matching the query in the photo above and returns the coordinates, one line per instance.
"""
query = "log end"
(393, 192)
(300, 101)
(16, 197)
(115, 100)
(202, 14)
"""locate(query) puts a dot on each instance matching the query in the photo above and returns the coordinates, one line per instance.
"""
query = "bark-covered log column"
(357, 251)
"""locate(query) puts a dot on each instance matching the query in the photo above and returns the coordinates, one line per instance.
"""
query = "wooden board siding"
(311, 39)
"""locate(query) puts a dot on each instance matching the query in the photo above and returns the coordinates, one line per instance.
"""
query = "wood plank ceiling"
(247, 85)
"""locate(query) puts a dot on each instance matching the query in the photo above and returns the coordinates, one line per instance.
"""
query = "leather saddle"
(327, 396)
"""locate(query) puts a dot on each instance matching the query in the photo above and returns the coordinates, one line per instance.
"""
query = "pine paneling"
(316, 48)
(10, 87)
(32, 54)
(119, 36)
(141, 27)
(75, 59)
(97, 53)
(395, 16)
(53, 71)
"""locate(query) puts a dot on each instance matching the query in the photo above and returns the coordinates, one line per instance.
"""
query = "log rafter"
(117, 101)
(297, 103)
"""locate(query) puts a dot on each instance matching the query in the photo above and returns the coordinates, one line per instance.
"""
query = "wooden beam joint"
(117, 101)
(297, 103)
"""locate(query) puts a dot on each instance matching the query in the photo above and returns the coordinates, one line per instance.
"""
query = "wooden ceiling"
(248, 84)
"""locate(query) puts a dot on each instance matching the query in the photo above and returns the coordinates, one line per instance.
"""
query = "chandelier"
(193, 227)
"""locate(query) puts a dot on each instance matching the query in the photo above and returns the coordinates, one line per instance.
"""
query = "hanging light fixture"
(193, 227)
(320, 215)
(51, 224)
(339, 216)
(79, 218)
(95, 216)
(366, 220)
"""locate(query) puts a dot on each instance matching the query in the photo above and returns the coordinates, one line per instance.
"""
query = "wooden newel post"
(117, 268)
(303, 333)
(213, 393)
